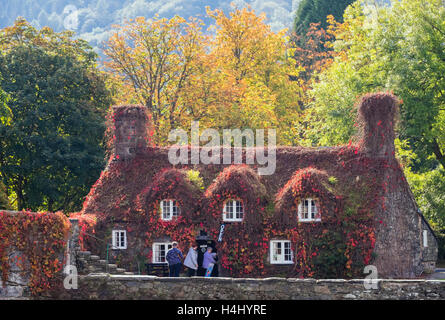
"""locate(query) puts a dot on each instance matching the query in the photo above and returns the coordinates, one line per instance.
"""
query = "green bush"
(194, 177)
(4, 201)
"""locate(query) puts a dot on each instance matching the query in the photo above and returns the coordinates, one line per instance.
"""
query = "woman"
(191, 260)
(209, 261)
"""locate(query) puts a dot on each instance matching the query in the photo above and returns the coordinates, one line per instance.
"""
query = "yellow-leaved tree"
(250, 68)
(235, 76)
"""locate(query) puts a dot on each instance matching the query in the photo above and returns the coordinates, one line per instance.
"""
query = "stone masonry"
(131, 287)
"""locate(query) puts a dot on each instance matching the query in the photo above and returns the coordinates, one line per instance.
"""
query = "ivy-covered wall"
(367, 214)
(32, 252)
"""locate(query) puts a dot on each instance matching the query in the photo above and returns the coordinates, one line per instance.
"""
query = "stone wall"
(16, 285)
(399, 248)
(429, 249)
(104, 286)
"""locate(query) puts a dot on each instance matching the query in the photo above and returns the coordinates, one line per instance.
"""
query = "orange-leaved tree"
(236, 76)
(154, 59)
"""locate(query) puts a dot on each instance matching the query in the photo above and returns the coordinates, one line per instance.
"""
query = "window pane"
(278, 248)
(162, 253)
(287, 252)
(274, 252)
(313, 209)
(175, 209)
(165, 210)
(239, 209)
(116, 239)
(229, 210)
(305, 209)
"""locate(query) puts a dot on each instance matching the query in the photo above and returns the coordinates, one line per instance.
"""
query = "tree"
(4, 201)
(5, 114)
(316, 11)
(155, 59)
(51, 149)
(398, 48)
(235, 77)
(378, 50)
(251, 68)
(310, 52)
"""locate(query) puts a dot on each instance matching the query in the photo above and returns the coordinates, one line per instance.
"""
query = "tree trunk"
(20, 199)
(439, 155)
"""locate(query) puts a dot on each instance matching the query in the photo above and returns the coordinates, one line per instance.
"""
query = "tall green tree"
(5, 115)
(5, 112)
(398, 48)
(51, 148)
(316, 11)
(4, 201)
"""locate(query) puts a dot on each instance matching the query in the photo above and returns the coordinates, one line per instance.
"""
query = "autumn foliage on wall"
(243, 248)
(323, 248)
(168, 184)
(349, 184)
(41, 240)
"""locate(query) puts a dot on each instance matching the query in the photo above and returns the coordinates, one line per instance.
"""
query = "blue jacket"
(209, 258)
(174, 256)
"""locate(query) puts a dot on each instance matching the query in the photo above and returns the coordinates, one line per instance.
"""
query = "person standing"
(191, 260)
(174, 258)
(209, 261)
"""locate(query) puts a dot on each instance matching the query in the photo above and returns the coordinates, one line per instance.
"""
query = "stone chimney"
(376, 121)
(130, 134)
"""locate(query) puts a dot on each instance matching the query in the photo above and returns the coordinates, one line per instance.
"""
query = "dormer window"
(308, 211)
(233, 211)
(169, 209)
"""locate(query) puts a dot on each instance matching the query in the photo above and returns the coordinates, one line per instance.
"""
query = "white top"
(191, 261)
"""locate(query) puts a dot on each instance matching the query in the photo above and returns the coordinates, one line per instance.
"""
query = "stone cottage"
(325, 212)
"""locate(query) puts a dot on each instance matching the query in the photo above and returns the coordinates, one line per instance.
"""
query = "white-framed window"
(233, 210)
(281, 252)
(160, 250)
(308, 210)
(169, 209)
(425, 238)
(119, 238)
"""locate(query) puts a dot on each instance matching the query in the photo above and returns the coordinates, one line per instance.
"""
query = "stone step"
(120, 270)
(127, 273)
(93, 269)
(82, 260)
(84, 254)
(112, 268)
(102, 262)
(94, 258)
